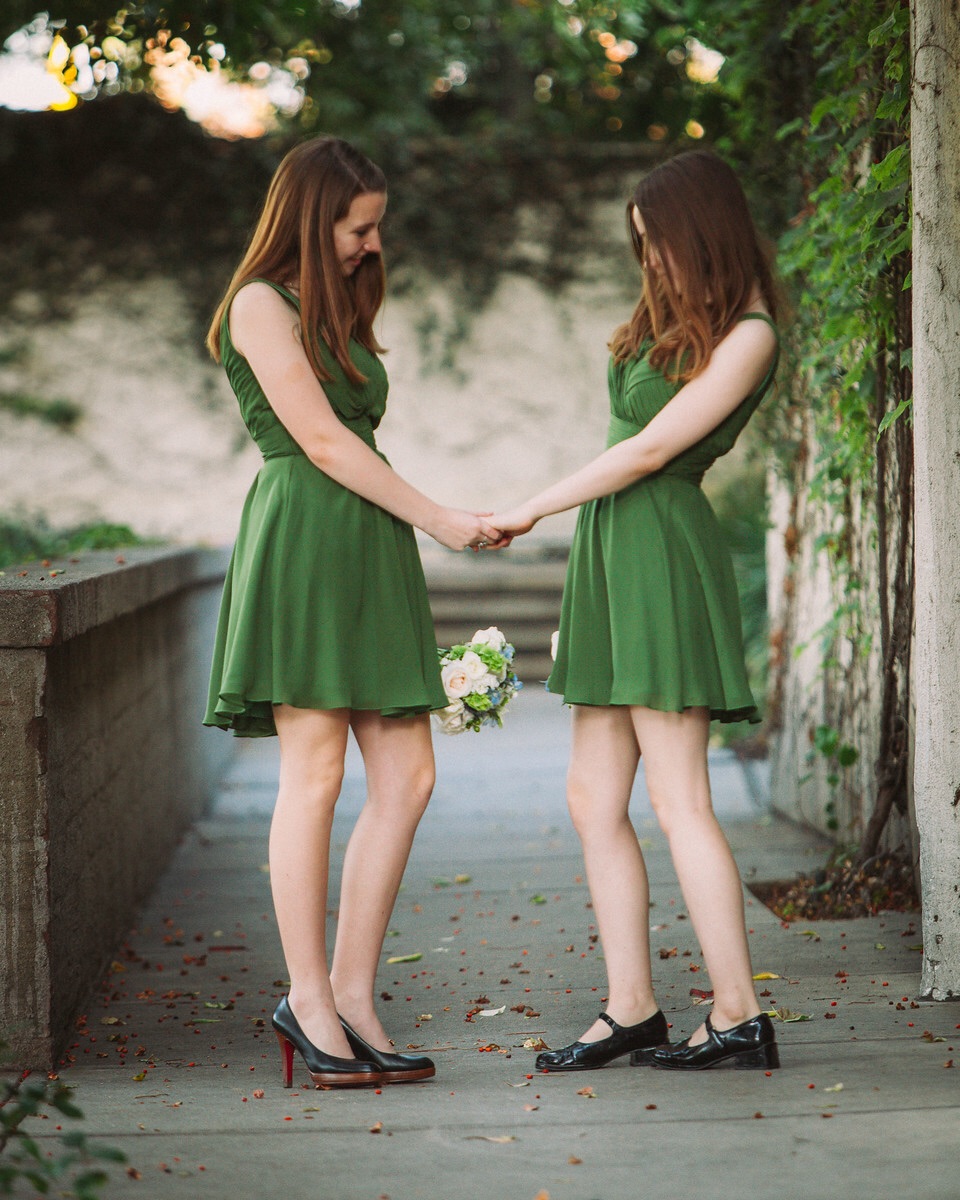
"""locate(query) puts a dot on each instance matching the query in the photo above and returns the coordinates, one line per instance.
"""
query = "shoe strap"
(605, 1017)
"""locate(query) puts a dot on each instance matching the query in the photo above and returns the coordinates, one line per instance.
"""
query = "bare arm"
(736, 367)
(263, 328)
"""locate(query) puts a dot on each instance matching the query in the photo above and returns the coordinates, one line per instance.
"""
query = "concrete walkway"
(177, 1064)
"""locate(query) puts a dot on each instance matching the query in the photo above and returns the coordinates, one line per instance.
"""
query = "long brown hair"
(313, 187)
(697, 222)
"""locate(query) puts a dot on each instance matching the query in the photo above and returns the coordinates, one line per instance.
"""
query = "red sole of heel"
(286, 1059)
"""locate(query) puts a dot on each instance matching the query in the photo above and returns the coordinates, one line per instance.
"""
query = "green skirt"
(650, 611)
(324, 606)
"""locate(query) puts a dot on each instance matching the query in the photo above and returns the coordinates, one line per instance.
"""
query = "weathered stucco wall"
(103, 764)
(486, 405)
(826, 666)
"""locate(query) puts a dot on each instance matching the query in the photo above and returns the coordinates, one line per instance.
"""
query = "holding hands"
(460, 530)
(513, 522)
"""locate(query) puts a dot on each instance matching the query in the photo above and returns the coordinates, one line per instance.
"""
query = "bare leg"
(675, 760)
(603, 763)
(398, 757)
(312, 746)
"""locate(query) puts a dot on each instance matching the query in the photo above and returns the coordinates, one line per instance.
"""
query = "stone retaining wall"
(103, 765)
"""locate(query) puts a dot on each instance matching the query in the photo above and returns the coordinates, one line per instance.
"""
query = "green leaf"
(847, 756)
(890, 417)
(107, 1153)
(893, 166)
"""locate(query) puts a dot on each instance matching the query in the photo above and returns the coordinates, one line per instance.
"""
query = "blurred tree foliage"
(472, 108)
(407, 68)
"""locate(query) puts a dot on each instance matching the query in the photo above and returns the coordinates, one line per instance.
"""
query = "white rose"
(491, 637)
(554, 639)
(456, 680)
(474, 666)
(453, 718)
(487, 683)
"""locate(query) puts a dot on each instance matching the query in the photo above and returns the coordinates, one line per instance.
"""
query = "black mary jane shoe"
(624, 1039)
(393, 1068)
(326, 1070)
(749, 1046)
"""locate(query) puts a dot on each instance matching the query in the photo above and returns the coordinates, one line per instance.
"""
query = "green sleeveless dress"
(324, 604)
(650, 612)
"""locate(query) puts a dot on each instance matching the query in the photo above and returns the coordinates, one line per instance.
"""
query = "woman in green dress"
(324, 625)
(650, 646)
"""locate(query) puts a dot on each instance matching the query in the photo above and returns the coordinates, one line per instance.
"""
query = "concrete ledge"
(103, 765)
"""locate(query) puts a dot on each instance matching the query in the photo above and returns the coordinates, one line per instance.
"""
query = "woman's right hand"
(460, 530)
(515, 521)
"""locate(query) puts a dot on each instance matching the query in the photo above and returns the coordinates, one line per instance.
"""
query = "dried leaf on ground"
(844, 889)
(788, 1016)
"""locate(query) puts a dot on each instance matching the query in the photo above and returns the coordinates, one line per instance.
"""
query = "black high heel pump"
(749, 1046)
(393, 1068)
(326, 1070)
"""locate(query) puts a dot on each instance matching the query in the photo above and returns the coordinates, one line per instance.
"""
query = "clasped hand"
(461, 530)
(506, 526)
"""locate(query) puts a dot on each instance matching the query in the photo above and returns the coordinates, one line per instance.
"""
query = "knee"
(680, 817)
(579, 797)
(420, 789)
(408, 792)
(314, 788)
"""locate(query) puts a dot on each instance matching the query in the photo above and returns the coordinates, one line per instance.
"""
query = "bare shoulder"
(258, 311)
(752, 339)
(257, 299)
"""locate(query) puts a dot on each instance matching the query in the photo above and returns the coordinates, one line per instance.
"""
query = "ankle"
(727, 1016)
(353, 1006)
(308, 1004)
(632, 1009)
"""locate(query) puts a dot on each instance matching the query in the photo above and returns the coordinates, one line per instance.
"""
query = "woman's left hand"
(500, 542)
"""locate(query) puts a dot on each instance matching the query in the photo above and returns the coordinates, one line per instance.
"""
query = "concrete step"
(518, 592)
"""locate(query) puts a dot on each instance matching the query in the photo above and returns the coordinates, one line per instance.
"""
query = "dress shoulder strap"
(278, 287)
(760, 316)
(772, 369)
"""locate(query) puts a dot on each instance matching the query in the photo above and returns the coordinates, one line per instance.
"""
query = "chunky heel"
(765, 1058)
(286, 1057)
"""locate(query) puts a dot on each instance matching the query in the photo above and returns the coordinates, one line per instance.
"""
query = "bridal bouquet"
(479, 680)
